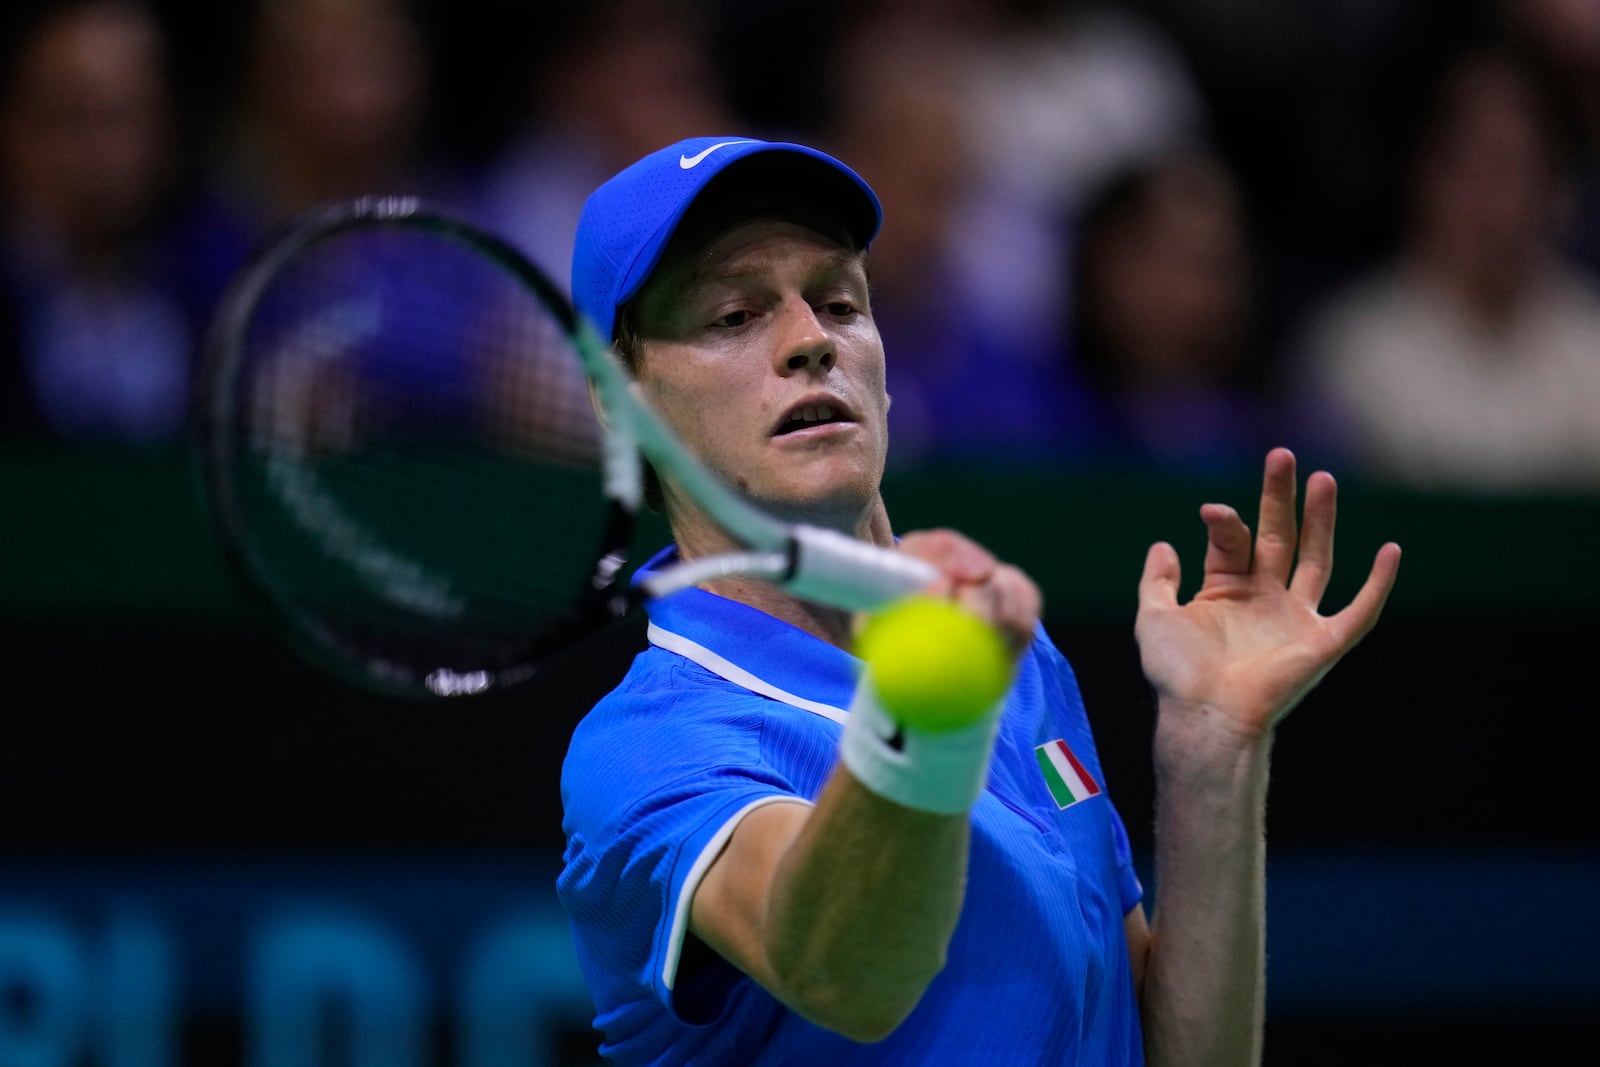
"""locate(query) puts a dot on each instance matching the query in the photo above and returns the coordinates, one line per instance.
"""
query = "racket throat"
(836, 569)
(772, 566)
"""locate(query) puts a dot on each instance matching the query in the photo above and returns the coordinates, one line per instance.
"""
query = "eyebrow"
(840, 261)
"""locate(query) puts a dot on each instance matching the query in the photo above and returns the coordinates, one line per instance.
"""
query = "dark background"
(1432, 824)
(1434, 833)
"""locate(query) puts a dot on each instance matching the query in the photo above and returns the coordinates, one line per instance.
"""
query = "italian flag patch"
(1069, 780)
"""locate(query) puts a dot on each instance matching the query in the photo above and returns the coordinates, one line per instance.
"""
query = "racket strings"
(414, 445)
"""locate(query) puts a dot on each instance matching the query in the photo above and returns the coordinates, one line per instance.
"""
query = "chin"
(842, 508)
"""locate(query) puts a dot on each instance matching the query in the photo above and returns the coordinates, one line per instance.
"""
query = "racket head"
(398, 452)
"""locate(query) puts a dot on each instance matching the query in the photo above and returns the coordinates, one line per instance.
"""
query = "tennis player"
(762, 867)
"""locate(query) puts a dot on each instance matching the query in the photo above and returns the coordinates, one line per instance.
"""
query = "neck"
(697, 537)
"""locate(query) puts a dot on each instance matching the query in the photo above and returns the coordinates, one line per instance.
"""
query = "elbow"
(858, 1005)
(865, 1019)
(867, 1027)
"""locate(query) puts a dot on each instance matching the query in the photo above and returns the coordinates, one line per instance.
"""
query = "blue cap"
(627, 222)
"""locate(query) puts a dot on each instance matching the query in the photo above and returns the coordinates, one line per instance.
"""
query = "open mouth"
(807, 416)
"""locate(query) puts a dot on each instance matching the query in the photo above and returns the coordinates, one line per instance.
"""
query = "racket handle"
(832, 568)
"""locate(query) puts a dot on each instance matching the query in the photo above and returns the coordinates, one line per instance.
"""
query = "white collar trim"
(722, 668)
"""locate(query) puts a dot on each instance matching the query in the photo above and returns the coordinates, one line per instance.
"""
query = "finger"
(920, 546)
(1009, 601)
(969, 574)
(1227, 541)
(1158, 586)
(959, 558)
(1276, 527)
(1361, 614)
(1315, 565)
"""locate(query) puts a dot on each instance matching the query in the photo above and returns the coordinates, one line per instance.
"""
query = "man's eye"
(841, 309)
(732, 318)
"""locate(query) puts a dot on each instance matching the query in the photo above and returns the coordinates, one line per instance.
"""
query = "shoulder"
(672, 731)
(1045, 698)
(669, 706)
(1045, 657)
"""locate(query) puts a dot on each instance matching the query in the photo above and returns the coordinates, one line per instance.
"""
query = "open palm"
(1252, 642)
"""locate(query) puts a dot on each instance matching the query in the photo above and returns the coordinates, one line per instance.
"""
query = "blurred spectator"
(623, 78)
(1062, 96)
(94, 343)
(1164, 337)
(1472, 360)
(974, 377)
(982, 123)
(1297, 97)
(333, 100)
(1562, 39)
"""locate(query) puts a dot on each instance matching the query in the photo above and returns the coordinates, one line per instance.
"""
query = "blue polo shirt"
(729, 709)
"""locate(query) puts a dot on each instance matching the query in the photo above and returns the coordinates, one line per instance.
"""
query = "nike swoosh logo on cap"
(691, 162)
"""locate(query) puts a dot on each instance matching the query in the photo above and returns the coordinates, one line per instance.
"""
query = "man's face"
(760, 350)
(85, 136)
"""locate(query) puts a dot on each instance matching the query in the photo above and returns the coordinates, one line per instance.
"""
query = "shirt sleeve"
(1129, 889)
(646, 814)
(1074, 722)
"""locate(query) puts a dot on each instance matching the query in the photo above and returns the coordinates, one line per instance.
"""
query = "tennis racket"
(400, 455)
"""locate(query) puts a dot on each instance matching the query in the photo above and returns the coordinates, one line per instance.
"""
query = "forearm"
(1204, 990)
(845, 911)
(862, 908)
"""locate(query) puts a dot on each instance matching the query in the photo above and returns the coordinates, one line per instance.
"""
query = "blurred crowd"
(1144, 234)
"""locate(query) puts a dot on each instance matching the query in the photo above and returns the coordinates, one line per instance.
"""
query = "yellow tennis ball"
(934, 665)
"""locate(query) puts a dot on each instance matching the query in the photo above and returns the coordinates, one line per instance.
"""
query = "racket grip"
(838, 570)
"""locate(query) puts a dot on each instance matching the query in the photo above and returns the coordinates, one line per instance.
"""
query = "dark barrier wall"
(212, 854)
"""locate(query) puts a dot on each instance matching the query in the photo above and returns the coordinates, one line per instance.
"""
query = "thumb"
(1158, 586)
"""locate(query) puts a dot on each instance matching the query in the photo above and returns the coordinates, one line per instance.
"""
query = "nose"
(804, 345)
